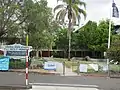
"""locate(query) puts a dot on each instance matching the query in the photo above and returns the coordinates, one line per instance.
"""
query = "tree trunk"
(48, 52)
(69, 37)
(37, 53)
(41, 53)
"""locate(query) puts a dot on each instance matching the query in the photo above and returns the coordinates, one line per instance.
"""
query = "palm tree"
(71, 9)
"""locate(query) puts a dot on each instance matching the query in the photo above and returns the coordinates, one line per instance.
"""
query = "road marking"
(60, 88)
(64, 85)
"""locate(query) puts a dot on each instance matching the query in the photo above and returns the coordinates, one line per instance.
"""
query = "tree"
(85, 36)
(70, 8)
(10, 14)
(93, 36)
(100, 43)
(114, 52)
(61, 41)
(40, 26)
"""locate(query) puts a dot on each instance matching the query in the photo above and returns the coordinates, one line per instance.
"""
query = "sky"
(96, 9)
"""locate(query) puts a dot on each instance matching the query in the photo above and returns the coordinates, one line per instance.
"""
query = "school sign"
(16, 51)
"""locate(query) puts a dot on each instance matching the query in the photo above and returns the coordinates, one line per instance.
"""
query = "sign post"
(26, 67)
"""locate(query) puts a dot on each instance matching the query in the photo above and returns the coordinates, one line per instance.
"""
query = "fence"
(87, 67)
(91, 68)
(114, 70)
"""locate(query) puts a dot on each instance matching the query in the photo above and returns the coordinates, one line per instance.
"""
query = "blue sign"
(16, 53)
(50, 66)
(4, 63)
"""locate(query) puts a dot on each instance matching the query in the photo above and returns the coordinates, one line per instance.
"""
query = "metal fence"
(114, 70)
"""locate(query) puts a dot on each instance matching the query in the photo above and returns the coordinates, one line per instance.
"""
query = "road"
(12, 78)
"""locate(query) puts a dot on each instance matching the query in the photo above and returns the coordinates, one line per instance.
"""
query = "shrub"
(18, 64)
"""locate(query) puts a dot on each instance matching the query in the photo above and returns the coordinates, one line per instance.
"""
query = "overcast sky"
(96, 9)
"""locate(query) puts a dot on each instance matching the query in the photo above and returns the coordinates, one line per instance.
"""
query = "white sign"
(50, 66)
(17, 47)
(83, 67)
(94, 66)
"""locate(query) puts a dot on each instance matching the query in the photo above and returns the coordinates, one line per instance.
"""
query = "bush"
(18, 64)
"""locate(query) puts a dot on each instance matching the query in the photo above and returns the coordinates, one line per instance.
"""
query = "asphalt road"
(12, 78)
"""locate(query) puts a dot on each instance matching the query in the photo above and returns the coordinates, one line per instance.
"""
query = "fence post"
(108, 67)
(78, 72)
(63, 67)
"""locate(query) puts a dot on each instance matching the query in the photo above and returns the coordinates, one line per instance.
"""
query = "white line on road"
(36, 87)
(65, 85)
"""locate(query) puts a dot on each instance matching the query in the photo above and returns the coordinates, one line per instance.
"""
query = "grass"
(37, 61)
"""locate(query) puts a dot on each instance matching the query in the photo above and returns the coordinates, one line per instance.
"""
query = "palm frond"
(81, 11)
(62, 15)
(59, 6)
(58, 14)
(71, 7)
(79, 2)
(75, 8)
(82, 3)
(65, 1)
(58, 0)
(78, 18)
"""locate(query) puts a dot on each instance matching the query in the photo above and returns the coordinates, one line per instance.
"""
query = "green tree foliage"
(100, 37)
(61, 41)
(29, 17)
(85, 36)
(10, 14)
(114, 52)
(40, 25)
(93, 36)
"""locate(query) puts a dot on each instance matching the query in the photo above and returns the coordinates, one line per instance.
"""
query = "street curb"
(41, 73)
(90, 75)
(12, 87)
